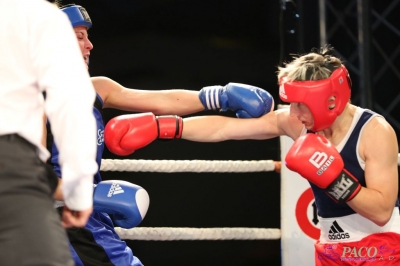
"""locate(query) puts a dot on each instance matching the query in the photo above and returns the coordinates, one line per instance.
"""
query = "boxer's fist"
(127, 203)
(246, 100)
(126, 133)
(318, 161)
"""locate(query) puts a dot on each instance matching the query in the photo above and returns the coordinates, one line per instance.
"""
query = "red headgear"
(315, 95)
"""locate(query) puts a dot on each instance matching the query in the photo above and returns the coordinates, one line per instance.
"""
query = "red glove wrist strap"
(169, 127)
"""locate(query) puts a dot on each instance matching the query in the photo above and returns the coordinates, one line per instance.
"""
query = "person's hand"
(72, 218)
(246, 100)
(126, 133)
(318, 161)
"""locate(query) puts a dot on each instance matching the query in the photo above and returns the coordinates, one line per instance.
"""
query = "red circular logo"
(302, 218)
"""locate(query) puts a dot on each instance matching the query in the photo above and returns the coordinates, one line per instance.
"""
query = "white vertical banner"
(299, 221)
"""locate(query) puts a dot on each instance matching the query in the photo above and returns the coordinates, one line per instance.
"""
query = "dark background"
(177, 44)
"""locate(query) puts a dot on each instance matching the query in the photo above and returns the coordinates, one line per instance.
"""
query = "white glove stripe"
(207, 91)
(217, 98)
(212, 98)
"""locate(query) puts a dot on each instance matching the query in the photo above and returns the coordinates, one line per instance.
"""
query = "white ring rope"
(198, 166)
(172, 233)
(171, 166)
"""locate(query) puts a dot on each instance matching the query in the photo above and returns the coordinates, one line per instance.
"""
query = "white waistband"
(354, 227)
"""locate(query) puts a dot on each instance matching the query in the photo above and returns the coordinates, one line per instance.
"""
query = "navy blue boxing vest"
(51, 146)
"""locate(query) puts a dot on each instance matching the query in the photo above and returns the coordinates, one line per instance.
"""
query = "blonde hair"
(312, 66)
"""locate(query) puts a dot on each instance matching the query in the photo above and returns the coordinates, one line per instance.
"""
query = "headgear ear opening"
(77, 15)
(317, 96)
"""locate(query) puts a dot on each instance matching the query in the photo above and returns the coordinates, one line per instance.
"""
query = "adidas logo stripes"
(336, 232)
(335, 228)
(114, 190)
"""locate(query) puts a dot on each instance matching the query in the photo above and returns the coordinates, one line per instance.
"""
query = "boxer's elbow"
(383, 217)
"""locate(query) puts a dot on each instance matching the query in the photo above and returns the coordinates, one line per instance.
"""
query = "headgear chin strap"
(77, 15)
(316, 96)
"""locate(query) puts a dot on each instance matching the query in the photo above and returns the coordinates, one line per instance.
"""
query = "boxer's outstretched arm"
(220, 128)
(245, 100)
(159, 102)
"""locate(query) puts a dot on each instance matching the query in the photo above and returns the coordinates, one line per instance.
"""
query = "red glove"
(318, 161)
(126, 133)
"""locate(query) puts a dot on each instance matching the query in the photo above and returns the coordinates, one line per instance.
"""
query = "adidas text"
(338, 236)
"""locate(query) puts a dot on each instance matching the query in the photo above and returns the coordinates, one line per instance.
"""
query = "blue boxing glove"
(246, 100)
(127, 203)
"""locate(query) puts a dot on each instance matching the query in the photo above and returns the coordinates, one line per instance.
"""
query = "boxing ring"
(194, 166)
(297, 235)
